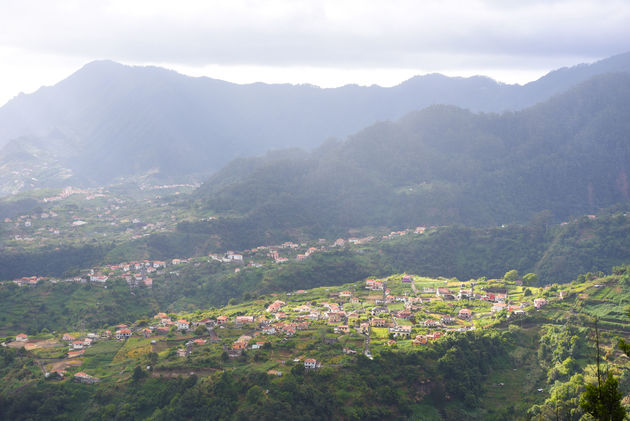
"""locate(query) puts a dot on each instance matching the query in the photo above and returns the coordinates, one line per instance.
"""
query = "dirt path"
(184, 372)
(34, 344)
(64, 364)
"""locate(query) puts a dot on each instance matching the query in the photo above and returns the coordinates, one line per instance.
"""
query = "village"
(78, 215)
(313, 328)
(139, 273)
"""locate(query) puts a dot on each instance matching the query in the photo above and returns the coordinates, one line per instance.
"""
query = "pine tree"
(603, 401)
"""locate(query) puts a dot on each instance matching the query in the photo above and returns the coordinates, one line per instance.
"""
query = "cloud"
(324, 42)
(339, 33)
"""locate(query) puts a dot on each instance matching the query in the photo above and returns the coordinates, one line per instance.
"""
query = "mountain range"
(567, 156)
(110, 122)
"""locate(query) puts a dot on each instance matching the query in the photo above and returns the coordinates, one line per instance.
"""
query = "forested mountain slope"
(109, 121)
(569, 155)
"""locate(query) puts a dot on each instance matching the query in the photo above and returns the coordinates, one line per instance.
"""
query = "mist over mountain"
(109, 121)
(569, 156)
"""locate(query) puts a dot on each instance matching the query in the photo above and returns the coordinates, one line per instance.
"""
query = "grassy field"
(98, 359)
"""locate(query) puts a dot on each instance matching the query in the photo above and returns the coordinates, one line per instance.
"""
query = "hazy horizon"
(323, 43)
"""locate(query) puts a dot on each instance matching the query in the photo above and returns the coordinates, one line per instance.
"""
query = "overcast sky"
(325, 43)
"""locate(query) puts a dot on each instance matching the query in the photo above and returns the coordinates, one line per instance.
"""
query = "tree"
(254, 394)
(201, 330)
(603, 401)
(530, 279)
(152, 358)
(138, 374)
(511, 275)
(298, 370)
(623, 345)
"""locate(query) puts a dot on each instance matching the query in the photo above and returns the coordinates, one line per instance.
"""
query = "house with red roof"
(310, 364)
(496, 307)
(244, 319)
(335, 316)
(123, 333)
(377, 322)
(404, 314)
(540, 302)
(444, 293)
(465, 314)
(401, 331)
(239, 345)
(98, 277)
(268, 330)
(420, 340)
(342, 329)
(74, 354)
(275, 306)
(82, 377)
(162, 330)
(374, 285)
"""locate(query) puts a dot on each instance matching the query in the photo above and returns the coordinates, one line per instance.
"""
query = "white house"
(310, 363)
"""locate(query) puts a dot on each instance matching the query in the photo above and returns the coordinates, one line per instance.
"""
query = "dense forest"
(51, 261)
(444, 165)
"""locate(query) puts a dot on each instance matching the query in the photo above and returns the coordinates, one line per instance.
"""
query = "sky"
(324, 43)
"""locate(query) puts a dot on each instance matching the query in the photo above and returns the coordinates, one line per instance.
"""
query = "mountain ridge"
(127, 121)
(445, 165)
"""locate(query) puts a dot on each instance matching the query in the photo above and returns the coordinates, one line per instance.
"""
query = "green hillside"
(444, 165)
(557, 253)
(523, 353)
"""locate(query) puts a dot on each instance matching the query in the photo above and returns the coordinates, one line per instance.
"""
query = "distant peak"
(99, 64)
(439, 77)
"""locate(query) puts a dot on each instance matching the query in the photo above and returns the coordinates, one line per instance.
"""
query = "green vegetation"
(498, 327)
(543, 253)
(459, 252)
(536, 365)
(51, 261)
(68, 305)
(442, 166)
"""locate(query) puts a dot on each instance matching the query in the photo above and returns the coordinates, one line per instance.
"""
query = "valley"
(448, 248)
